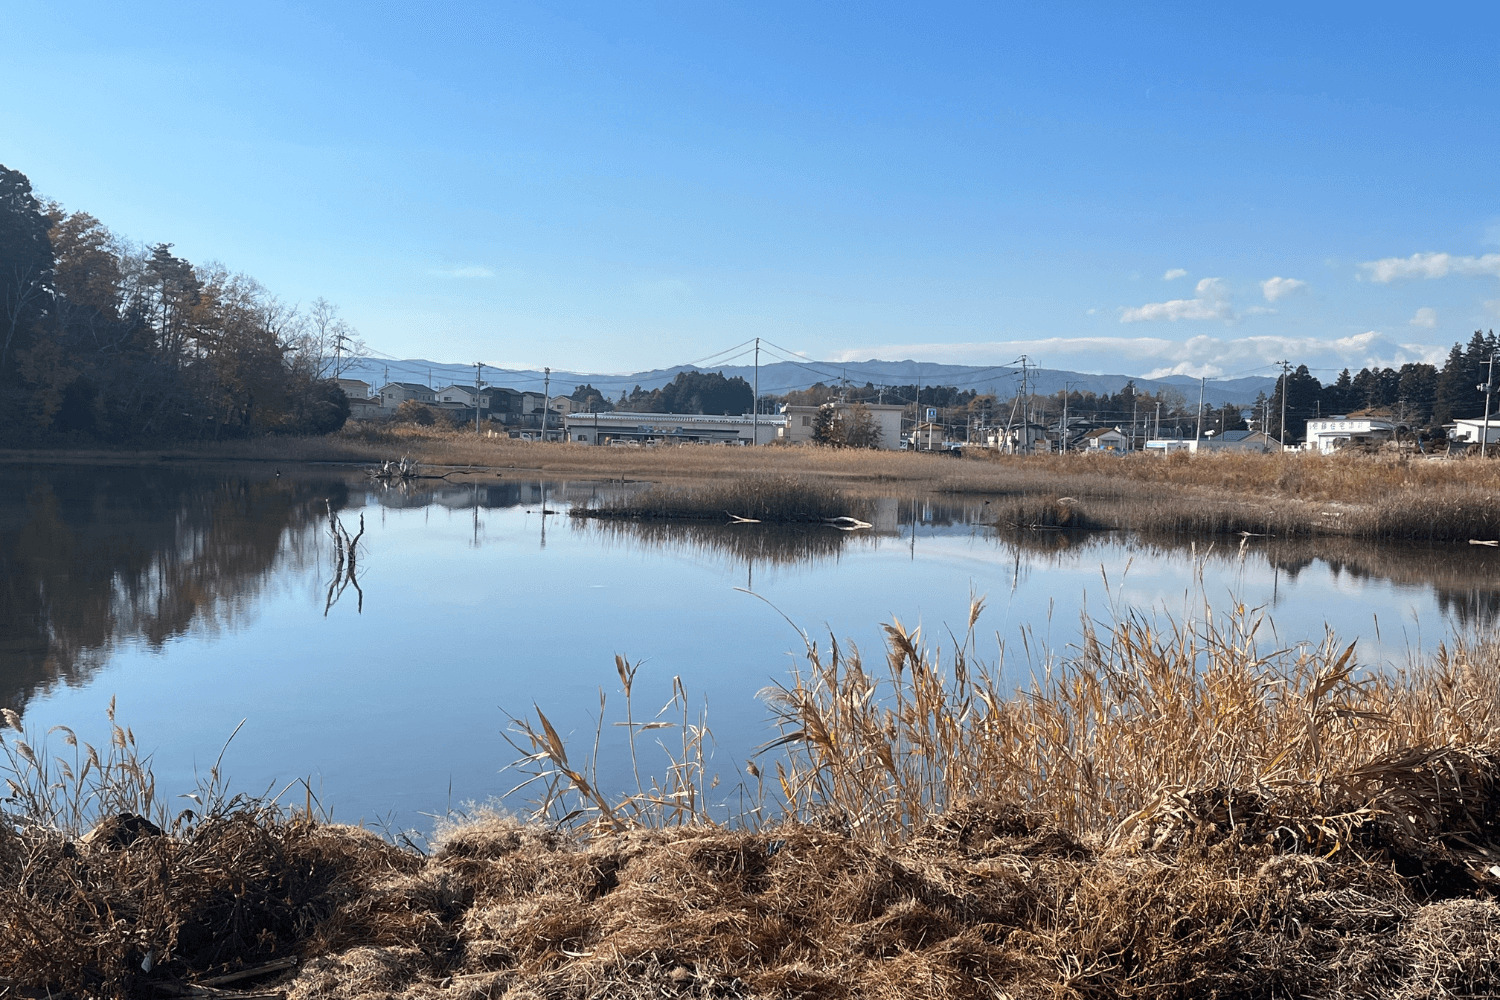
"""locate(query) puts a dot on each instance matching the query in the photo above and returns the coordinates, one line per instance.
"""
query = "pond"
(199, 596)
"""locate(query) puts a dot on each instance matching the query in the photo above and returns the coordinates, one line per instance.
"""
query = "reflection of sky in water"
(466, 616)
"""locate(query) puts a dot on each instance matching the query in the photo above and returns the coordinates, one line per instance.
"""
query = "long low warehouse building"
(671, 428)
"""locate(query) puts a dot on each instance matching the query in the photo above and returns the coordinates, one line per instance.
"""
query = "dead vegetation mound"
(1170, 813)
(981, 902)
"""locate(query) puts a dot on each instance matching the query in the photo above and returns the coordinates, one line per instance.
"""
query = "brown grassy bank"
(1172, 812)
(1361, 496)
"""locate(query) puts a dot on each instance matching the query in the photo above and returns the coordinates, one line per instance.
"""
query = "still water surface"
(199, 597)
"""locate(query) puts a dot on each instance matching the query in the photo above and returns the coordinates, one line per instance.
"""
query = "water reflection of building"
(485, 492)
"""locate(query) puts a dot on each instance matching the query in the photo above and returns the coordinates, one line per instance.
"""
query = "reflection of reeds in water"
(768, 544)
(768, 499)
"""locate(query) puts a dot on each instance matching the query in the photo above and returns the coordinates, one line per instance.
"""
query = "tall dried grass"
(1175, 808)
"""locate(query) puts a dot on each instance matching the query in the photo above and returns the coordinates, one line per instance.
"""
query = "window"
(806, 421)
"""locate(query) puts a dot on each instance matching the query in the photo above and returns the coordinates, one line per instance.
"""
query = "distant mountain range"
(780, 377)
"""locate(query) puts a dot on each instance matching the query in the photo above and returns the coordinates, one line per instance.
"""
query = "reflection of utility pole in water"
(544, 513)
(914, 529)
(476, 515)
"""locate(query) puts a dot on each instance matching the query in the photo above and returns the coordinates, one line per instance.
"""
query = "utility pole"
(1286, 367)
(1158, 420)
(916, 415)
(1067, 392)
(1135, 415)
(1488, 389)
(546, 409)
(478, 382)
(755, 410)
(1198, 437)
(1025, 400)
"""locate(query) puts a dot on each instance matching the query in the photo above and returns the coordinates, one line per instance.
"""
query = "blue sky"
(620, 186)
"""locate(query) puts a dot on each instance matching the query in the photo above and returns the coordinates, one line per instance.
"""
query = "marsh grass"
(1177, 807)
(1381, 496)
(762, 499)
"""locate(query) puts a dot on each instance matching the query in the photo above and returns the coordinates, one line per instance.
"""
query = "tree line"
(105, 340)
(1421, 397)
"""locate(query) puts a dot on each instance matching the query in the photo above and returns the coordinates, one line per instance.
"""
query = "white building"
(670, 428)
(1472, 431)
(1329, 435)
(1228, 441)
(1106, 439)
(463, 396)
(393, 394)
(355, 388)
(801, 420)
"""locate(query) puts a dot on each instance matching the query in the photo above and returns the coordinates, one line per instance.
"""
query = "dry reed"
(1173, 810)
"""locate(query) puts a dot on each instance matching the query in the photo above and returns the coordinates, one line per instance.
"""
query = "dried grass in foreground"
(1172, 812)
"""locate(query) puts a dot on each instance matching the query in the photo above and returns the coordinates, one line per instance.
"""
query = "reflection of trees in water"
(765, 544)
(1464, 580)
(93, 556)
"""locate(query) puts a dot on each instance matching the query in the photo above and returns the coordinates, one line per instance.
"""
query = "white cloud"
(471, 271)
(1157, 357)
(1431, 265)
(1425, 317)
(1212, 302)
(1279, 288)
(1174, 274)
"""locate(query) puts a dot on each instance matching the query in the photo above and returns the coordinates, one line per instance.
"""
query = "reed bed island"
(1175, 809)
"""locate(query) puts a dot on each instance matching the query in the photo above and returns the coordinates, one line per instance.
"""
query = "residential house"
(798, 422)
(463, 396)
(393, 394)
(1472, 431)
(1106, 439)
(1029, 438)
(1329, 435)
(366, 408)
(355, 388)
(1240, 441)
(561, 405)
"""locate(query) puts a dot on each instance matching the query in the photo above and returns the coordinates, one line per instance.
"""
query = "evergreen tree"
(1302, 391)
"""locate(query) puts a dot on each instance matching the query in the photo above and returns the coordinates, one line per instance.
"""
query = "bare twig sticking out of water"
(345, 556)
